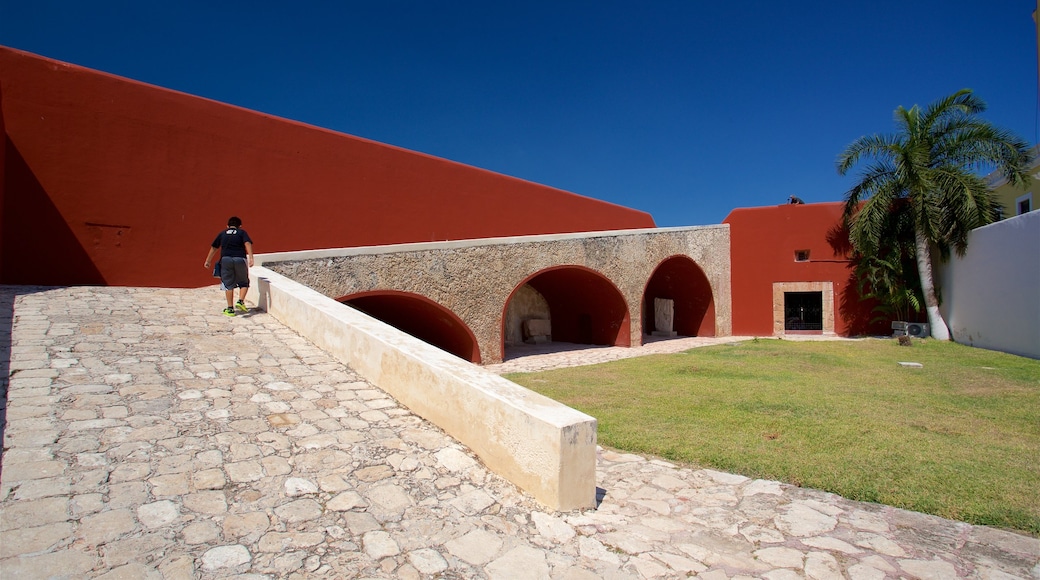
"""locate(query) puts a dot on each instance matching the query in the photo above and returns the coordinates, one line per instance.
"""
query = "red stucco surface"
(763, 244)
(110, 181)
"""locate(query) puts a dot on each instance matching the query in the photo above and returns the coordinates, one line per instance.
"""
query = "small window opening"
(1025, 205)
(801, 255)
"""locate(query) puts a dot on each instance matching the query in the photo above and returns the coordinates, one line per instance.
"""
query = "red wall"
(763, 242)
(111, 181)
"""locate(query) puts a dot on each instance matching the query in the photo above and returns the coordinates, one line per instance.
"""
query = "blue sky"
(682, 109)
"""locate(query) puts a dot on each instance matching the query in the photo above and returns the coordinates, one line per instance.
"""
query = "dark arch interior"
(585, 307)
(682, 281)
(423, 319)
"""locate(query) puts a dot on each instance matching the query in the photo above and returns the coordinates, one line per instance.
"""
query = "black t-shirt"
(232, 243)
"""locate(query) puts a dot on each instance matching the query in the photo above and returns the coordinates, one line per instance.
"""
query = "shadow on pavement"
(8, 295)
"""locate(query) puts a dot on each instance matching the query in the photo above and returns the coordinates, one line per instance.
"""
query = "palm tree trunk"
(924, 268)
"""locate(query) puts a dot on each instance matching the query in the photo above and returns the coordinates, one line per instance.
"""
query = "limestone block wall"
(475, 278)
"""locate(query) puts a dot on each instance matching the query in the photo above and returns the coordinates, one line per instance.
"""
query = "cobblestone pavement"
(148, 436)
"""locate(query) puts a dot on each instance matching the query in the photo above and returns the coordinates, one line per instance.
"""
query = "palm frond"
(867, 147)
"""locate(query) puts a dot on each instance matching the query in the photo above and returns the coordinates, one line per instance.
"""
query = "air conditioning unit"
(918, 330)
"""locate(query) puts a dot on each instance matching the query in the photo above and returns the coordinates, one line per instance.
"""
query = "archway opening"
(420, 317)
(681, 280)
(581, 305)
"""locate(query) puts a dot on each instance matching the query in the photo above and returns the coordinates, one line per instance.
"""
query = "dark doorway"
(584, 306)
(681, 280)
(803, 311)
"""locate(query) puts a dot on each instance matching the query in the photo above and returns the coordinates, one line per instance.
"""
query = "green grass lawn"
(959, 438)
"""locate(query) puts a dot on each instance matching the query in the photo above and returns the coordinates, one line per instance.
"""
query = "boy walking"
(236, 256)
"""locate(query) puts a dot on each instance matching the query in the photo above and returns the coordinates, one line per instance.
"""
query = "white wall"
(991, 296)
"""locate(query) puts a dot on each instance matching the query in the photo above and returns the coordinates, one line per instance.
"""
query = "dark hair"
(234, 221)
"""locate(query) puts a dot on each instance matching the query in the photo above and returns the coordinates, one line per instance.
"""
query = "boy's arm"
(213, 252)
(249, 253)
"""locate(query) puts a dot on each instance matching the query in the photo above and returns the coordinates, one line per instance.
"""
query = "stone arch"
(420, 317)
(585, 307)
(680, 279)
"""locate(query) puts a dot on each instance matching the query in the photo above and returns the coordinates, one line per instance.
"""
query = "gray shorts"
(234, 273)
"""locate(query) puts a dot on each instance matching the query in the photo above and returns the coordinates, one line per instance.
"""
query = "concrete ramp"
(542, 446)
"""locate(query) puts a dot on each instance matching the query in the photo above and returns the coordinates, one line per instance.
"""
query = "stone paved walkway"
(148, 436)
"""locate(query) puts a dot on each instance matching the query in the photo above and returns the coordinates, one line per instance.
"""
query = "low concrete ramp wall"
(542, 446)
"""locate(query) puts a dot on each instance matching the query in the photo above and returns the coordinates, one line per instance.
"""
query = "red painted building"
(791, 273)
(105, 180)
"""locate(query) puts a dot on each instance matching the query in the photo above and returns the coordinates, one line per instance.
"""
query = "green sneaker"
(241, 306)
(229, 312)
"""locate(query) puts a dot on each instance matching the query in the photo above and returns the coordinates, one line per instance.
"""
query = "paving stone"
(274, 466)
(246, 524)
(208, 479)
(41, 488)
(281, 541)
(296, 486)
(345, 501)
(27, 540)
(477, 547)
(68, 563)
(27, 514)
(520, 563)
(158, 514)
(130, 472)
(864, 572)
(174, 484)
(551, 528)
(929, 569)
(301, 510)
(84, 504)
(226, 558)
(379, 544)
(427, 561)
(202, 532)
(821, 566)
(106, 526)
(132, 571)
(473, 502)
(781, 557)
(128, 494)
(831, 544)
(244, 471)
(880, 544)
(206, 502)
(798, 519)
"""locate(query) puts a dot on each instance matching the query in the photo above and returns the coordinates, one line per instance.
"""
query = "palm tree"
(889, 276)
(931, 165)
